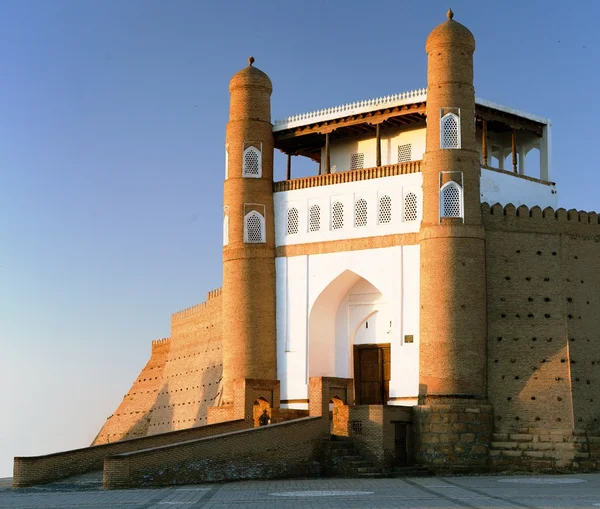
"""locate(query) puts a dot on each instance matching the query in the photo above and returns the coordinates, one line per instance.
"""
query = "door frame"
(357, 380)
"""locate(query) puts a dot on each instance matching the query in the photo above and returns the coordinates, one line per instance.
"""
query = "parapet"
(212, 294)
(534, 219)
(157, 343)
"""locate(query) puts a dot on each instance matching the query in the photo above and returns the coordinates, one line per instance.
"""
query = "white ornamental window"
(450, 131)
(385, 210)
(314, 220)
(404, 153)
(410, 207)
(226, 230)
(360, 212)
(357, 161)
(254, 228)
(337, 215)
(451, 200)
(292, 221)
(252, 166)
(226, 161)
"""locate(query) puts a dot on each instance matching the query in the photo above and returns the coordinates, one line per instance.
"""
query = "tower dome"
(250, 76)
(450, 32)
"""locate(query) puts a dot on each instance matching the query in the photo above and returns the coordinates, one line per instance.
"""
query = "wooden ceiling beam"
(371, 117)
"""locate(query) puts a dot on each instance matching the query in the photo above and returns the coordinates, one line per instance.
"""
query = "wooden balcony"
(348, 176)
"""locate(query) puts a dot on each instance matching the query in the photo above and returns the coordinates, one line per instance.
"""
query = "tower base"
(453, 436)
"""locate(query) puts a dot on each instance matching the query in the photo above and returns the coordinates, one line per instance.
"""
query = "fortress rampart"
(543, 292)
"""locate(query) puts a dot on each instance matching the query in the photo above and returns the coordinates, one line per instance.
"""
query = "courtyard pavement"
(527, 491)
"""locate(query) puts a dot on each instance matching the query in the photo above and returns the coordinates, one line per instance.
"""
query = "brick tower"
(453, 291)
(249, 334)
(452, 379)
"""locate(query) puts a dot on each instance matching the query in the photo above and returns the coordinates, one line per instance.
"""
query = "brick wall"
(132, 416)
(288, 449)
(372, 428)
(179, 382)
(193, 369)
(543, 284)
(29, 471)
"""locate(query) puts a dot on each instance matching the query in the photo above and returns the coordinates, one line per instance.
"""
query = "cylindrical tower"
(249, 334)
(452, 238)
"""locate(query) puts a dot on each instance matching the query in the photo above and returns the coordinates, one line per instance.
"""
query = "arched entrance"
(349, 336)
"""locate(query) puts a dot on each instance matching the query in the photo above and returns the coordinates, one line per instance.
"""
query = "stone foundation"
(453, 437)
(543, 449)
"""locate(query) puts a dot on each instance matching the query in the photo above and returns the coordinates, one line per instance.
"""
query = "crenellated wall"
(543, 291)
(179, 382)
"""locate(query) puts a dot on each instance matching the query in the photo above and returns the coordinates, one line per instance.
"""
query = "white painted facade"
(341, 152)
(373, 192)
(328, 303)
(503, 188)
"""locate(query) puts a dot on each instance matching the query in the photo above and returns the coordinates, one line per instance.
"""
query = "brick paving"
(488, 492)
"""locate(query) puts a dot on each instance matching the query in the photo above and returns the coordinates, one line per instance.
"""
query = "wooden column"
(484, 150)
(288, 169)
(378, 136)
(514, 151)
(327, 158)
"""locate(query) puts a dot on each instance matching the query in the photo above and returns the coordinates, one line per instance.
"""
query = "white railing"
(352, 108)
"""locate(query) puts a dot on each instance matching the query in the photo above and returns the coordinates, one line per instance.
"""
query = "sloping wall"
(179, 382)
(131, 418)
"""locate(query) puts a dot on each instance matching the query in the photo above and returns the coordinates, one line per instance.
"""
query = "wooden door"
(372, 374)
(401, 444)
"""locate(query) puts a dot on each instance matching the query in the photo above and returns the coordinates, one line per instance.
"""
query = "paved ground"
(488, 492)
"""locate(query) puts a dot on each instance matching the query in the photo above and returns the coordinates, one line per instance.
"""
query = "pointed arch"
(451, 200)
(254, 228)
(292, 221)
(252, 164)
(450, 131)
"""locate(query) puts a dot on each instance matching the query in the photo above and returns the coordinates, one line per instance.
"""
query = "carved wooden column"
(378, 142)
(288, 169)
(484, 150)
(327, 157)
(514, 151)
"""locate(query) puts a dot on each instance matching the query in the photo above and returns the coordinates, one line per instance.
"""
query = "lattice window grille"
(314, 219)
(226, 229)
(254, 228)
(337, 215)
(360, 212)
(292, 221)
(357, 161)
(252, 162)
(405, 153)
(410, 207)
(451, 198)
(385, 210)
(450, 131)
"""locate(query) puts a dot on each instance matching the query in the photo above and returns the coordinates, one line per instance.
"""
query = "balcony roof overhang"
(305, 134)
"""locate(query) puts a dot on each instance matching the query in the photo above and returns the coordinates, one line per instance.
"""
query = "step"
(370, 475)
(416, 471)
(367, 470)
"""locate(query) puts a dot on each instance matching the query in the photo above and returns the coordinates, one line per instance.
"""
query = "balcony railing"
(349, 176)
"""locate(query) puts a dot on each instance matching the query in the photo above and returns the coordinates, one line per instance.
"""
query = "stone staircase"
(345, 460)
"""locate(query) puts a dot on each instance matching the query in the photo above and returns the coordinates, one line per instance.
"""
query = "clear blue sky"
(112, 122)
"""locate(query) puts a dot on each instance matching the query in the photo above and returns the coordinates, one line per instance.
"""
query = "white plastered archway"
(339, 318)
